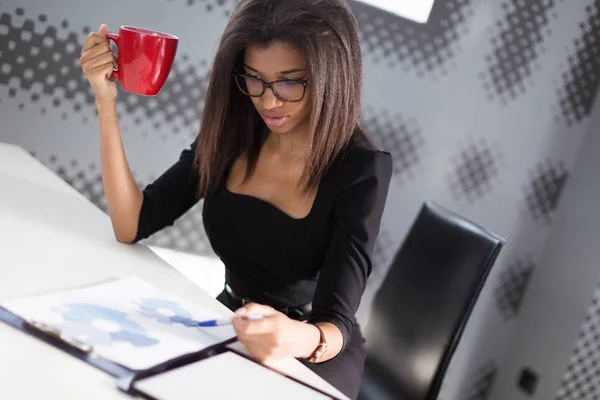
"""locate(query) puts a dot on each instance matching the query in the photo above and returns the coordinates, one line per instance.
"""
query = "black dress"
(274, 259)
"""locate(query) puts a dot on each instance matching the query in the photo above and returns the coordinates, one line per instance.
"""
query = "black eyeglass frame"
(269, 85)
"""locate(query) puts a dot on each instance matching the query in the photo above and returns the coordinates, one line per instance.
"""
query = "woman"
(293, 190)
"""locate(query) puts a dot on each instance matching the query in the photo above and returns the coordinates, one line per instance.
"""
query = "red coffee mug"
(144, 59)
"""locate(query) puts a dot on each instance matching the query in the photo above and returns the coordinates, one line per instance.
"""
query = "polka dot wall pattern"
(517, 41)
(582, 377)
(542, 192)
(181, 98)
(475, 170)
(481, 385)
(48, 62)
(512, 285)
(224, 6)
(427, 48)
(45, 59)
(400, 136)
(580, 75)
(86, 179)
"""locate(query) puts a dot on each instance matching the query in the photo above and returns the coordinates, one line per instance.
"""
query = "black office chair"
(419, 313)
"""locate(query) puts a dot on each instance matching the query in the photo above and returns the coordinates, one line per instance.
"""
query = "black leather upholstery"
(422, 307)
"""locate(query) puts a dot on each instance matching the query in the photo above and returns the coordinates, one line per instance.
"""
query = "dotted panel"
(45, 64)
(475, 170)
(400, 136)
(517, 43)
(580, 78)
(482, 383)
(425, 48)
(511, 286)
(582, 377)
(543, 191)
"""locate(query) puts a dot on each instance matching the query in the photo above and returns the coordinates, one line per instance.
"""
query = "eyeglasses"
(290, 90)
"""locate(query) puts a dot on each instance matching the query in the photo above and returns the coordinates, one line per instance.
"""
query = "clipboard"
(126, 378)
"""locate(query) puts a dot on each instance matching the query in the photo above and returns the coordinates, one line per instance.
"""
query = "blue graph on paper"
(79, 319)
(150, 308)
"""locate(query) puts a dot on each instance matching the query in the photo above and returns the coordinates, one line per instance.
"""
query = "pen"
(227, 321)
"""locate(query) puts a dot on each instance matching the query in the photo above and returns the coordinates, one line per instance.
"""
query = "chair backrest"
(419, 313)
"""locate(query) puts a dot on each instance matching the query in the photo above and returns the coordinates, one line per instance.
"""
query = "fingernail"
(241, 311)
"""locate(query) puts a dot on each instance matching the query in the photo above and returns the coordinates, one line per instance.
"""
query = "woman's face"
(280, 61)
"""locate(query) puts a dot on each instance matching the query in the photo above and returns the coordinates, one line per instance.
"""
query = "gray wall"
(484, 110)
(558, 332)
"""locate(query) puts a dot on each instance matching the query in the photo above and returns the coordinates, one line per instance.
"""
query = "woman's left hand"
(269, 338)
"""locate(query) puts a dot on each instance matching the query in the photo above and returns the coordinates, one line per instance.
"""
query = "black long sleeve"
(170, 196)
(357, 215)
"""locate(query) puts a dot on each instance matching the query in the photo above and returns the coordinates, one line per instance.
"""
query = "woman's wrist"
(103, 104)
(307, 338)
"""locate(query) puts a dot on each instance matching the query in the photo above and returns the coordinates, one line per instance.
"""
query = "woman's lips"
(274, 120)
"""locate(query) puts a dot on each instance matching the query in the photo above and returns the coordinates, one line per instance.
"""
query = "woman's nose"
(269, 100)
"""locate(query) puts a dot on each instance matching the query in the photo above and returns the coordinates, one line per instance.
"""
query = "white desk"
(52, 237)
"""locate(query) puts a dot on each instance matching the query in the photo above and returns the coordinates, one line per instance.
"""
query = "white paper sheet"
(127, 321)
(225, 376)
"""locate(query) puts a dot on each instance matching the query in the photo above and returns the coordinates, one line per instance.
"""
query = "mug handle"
(115, 38)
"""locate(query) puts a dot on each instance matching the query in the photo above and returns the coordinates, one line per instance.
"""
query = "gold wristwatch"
(321, 348)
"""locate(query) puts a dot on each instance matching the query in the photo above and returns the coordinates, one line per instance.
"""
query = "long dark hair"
(327, 33)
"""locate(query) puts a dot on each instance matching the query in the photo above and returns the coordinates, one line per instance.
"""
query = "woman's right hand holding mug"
(97, 62)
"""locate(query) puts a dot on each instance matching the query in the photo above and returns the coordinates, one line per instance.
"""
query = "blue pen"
(227, 321)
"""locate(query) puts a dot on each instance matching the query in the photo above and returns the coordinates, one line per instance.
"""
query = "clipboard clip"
(58, 335)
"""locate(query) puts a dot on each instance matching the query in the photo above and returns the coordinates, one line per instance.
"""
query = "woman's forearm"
(123, 195)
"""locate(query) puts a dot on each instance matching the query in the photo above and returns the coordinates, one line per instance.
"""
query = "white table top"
(51, 238)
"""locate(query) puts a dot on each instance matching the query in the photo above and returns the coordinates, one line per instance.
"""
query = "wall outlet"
(528, 381)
